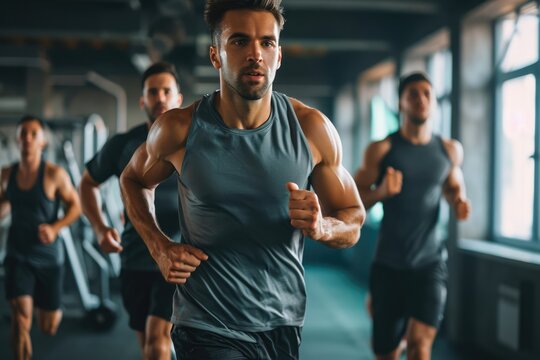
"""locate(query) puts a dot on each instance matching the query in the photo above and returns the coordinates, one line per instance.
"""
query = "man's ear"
(141, 102)
(180, 99)
(214, 57)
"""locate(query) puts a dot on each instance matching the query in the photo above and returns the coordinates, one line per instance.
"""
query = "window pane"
(383, 120)
(441, 117)
(440, 72)
(518, 43)
(516, 167)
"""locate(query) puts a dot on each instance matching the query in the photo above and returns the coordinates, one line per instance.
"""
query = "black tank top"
(407, 236)
(29, 209)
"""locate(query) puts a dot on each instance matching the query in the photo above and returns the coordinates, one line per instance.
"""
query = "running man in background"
(33, 190)
(147, 297)
(409, 171)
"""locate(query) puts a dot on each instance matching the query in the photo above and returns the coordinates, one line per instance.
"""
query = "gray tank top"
(407, 236)
(234, 206)
(29, 209)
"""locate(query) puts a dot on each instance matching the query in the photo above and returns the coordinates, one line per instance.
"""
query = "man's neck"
(417, 134)
(30, 163)
(239, 113)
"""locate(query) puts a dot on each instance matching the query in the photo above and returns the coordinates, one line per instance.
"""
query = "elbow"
(362, 214)
(75, 208)
(360, 220)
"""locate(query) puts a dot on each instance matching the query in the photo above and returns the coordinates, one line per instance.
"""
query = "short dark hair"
(27, 118)
(158, 68)
(410, 78)
(216, 9)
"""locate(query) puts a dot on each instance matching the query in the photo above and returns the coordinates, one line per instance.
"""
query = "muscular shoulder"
(377, 150)
(169, 132)
(56, 173)
(311, 120)
(319, 131)
(454, 149)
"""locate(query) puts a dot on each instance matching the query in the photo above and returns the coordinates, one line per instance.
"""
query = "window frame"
(500, 77)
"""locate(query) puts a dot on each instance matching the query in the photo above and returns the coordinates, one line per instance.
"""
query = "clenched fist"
(47, 234)
(462, 209)
(109, 240)
(392, 182)
(305, 212)
(177, 261)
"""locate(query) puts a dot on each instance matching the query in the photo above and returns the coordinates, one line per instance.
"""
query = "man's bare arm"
(153, 162)
(69, 197)
(48, 233)
(333, 214)
(108, 238)
(369, 172)
(454, 187)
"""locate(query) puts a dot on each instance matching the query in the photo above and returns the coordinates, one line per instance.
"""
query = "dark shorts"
(398, 295)
(44, 285)
(282, 343)
(146, 293)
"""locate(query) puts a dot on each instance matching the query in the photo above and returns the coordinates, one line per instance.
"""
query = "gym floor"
(337, 327)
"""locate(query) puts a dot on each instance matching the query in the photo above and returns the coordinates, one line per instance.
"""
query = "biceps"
(67, 192)
(335, 188)
(146, 169)
(454, 180)
(365, 177)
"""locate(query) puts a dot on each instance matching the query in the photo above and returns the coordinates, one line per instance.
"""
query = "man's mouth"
(159, 110)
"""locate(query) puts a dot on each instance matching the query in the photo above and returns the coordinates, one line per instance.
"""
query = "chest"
(227, 167)
(422, 166)
(32, 184)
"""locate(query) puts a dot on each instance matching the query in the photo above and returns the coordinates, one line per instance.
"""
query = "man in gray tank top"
(409, 172)
(246, 158)
(32, 190)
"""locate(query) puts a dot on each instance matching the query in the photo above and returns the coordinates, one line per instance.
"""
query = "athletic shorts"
(44, 285)
(145, 293)
(281, 343)
(398, 295)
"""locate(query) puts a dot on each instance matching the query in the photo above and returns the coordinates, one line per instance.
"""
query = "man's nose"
(162, 96)
(255, 53)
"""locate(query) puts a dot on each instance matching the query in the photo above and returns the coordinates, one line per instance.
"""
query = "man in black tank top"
(146, 296)
(409, 172)
(246, 158)
(32, 190)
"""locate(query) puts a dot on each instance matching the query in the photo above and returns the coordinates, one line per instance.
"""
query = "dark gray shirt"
(234, 207)
(111, 161)
(407, 236)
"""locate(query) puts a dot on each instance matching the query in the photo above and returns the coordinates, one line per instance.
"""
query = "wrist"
(325, 230)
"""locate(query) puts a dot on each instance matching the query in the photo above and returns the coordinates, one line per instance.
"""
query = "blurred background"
(78, 64)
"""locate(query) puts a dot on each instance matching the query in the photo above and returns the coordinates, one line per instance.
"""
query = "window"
(516, 172)
(439, 68)
(439, 65)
